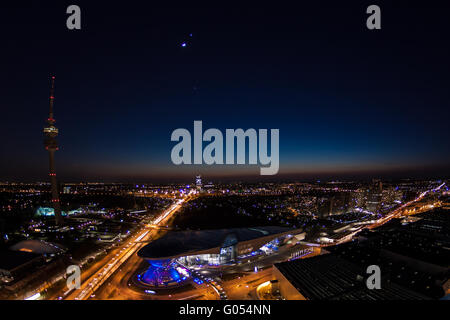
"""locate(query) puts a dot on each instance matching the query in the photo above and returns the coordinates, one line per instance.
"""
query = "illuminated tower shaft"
(51, 145)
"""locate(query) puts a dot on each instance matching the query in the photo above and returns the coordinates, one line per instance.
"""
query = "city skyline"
(349, 103)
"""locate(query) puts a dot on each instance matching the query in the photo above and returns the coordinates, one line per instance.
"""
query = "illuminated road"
(394, 214)
(115, 261)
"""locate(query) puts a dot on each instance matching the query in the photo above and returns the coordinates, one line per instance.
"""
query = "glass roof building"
(209, 249)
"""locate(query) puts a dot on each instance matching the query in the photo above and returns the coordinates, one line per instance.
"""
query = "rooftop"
(328, 277)
(37, 246)
(9, 260)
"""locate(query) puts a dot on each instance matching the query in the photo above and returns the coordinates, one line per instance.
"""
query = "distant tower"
(198, 182)
(51, 145)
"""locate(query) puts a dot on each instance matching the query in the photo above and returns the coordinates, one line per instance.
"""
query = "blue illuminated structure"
(45, 212)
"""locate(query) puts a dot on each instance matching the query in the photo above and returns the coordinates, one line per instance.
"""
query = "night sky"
(348, 101)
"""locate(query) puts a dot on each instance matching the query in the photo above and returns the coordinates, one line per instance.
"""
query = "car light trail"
(141, 236)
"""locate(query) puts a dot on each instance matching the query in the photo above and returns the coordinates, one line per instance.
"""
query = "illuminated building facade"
(51, 145)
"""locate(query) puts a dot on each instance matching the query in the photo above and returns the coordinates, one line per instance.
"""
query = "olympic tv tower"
(51, 145)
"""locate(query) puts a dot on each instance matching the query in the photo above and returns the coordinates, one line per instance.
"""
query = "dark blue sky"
(348, 101)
